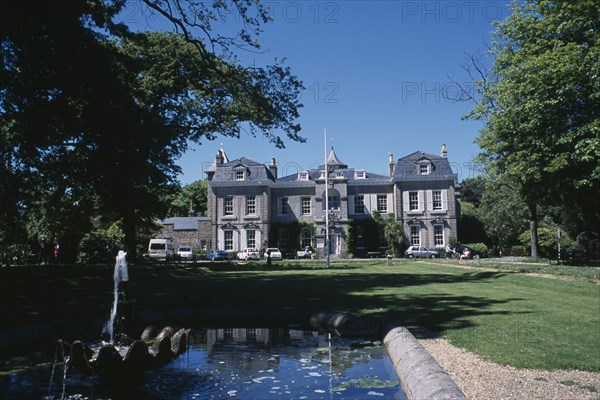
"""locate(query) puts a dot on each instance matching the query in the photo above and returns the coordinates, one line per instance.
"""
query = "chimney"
(444, 151)
(391, 164)
(219, 158)
(191, 212)
(273, 168)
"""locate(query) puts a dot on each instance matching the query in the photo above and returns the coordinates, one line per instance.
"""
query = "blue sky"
(372, 72)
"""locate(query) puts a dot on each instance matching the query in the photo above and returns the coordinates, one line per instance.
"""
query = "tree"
(504, 215)
(471, 227)
(392, 231)
(190, 197)
(472, 189)
(87, 102)
(541, 107)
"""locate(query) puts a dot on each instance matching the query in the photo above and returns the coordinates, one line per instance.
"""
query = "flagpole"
(326, 198)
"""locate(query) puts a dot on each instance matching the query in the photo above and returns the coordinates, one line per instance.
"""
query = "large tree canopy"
(541, 105)
(96, 111)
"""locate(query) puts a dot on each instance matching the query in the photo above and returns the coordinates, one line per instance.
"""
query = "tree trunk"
(533, 228)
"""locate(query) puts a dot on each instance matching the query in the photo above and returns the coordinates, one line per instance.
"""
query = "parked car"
(160, 249)
(185, 253)
(249, 253)
(420, 251)
(275, 253)
(306, 253)
(217, 255)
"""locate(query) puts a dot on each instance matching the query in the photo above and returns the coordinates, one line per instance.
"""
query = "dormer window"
(339, 174)
(361, 175)
(424, 169)
(239, 175)
(303, 176)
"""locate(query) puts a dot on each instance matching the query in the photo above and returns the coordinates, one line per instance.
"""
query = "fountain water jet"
(121, 362)
(120, 279)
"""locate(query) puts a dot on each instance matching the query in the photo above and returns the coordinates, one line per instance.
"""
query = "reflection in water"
(249, 363)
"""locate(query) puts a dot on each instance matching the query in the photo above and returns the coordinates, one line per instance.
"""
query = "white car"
(185, 253)
(249, 253)
(275, 253)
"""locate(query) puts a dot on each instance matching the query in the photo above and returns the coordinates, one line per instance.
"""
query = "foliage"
(370, 236)
(470, 227)
(548, 240)
(479, 248)
(190, 197)
(541, 107)
(504, 215)
(101, 244)
(392, 231)
(472, 189)
(293, 230)
(15, 254)
(88, 106)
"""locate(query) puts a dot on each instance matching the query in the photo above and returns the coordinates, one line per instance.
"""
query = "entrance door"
(336, 244)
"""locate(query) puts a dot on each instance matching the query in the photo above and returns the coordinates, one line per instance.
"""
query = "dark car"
(217, 255)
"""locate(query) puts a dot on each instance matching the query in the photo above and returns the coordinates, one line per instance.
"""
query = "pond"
(229, 363)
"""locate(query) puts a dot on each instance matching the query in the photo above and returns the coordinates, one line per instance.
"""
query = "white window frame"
(306, 205)
(424, 169)
(240, 175)
(251, 238)
(412, 202)
(436, 200)
(228, 242)
(359, 204)
(228, 205)
(250, 205)
(334, 202)
(415, 235)
(303, 176)
(382, 200)
(305, 238)
(438, 233)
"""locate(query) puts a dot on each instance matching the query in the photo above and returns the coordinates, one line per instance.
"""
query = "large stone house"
(249, 205)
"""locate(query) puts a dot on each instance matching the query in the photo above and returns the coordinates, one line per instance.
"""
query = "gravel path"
(481, 379)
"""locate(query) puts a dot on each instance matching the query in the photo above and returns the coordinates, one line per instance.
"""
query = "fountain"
(121, 361)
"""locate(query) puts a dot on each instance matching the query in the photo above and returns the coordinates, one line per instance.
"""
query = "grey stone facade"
(190, 231)
(250, 206)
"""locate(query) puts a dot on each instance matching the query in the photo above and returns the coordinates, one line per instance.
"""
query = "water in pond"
(243, 363)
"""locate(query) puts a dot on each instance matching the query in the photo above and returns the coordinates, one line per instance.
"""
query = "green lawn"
(510, 318)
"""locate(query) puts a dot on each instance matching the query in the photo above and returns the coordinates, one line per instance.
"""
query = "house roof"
(348, 173)
(408, 167)
(183, 223)
(334, 161)
(254, 170)
(213, 167)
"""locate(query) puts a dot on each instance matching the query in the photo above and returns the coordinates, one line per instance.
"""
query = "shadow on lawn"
(394, 297)
(433, 301)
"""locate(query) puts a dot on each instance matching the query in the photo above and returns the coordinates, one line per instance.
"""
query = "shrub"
(479, 248)
(548, 242)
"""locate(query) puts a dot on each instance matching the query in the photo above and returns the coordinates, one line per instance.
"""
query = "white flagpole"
(326, 199)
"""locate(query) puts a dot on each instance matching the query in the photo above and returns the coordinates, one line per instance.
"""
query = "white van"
(160, 249)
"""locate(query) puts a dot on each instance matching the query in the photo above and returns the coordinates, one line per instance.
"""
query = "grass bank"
(515, 319)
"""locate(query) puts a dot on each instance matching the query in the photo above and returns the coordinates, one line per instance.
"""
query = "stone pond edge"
(421, 376)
